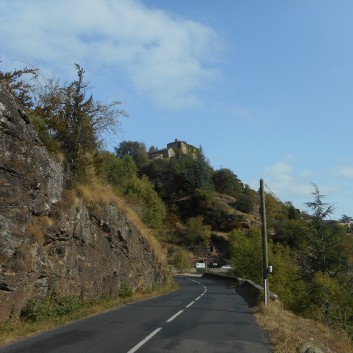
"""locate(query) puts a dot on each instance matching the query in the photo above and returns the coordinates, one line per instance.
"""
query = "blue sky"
(265, 87)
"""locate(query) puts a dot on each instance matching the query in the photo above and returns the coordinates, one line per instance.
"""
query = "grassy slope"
(288, 331)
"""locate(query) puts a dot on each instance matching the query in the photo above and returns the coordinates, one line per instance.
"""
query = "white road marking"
(139, 345)
(174, 316)
(205, 289)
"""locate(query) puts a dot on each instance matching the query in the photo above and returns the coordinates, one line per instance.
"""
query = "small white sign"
(200, 265)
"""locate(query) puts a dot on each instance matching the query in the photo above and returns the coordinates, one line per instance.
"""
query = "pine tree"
(324, 251)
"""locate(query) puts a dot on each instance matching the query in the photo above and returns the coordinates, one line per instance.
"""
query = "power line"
(272, 193)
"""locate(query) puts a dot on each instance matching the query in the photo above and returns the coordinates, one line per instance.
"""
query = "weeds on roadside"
(55, 310)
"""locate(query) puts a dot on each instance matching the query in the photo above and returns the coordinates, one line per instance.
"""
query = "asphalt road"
(201, 316)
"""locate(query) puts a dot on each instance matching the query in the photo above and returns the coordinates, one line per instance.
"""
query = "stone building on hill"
(174, 150)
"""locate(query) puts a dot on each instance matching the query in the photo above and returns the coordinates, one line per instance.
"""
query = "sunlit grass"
(288, 331)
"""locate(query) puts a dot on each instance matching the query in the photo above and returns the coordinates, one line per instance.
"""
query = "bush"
(125, 291)
(246, 257)
(244, 203)
(50, 307)
(148, 204)
(51, 145)
(181, 260)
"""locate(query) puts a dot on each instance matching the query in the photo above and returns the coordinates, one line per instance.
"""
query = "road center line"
(204, 287)
(174, 316)
(139, 345)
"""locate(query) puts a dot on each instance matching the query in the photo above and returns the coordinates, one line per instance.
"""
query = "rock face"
(51, 239)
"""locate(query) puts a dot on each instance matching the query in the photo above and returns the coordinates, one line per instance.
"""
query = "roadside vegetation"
(193, 210)
(288, 332)
(55, 310)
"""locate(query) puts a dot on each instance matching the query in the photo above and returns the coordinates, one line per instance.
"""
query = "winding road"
(201, 316)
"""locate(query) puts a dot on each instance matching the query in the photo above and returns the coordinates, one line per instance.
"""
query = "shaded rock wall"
(49, 238)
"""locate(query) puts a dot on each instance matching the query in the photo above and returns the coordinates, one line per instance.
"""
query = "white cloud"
(289, 184)
(166, 58)
(346, 172)
(280, 178)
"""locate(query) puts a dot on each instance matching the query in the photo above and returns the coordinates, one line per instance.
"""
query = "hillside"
(71, 208)
(75, 241)
(213, 217)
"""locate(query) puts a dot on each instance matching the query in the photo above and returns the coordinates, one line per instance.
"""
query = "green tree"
(77, 121)
(293, 213)
(181, 260)
(21, 84)
(346, 219)
(324, 251)
(246, 253)
(147, 202)
(285, 279)
(292, 233)
(244, 202)
(197, 232)
(246, 260)
(226, 182)
(136, 150)
(116, 171)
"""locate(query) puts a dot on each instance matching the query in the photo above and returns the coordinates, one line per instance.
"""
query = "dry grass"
(98, 194)
(38, 226)
(158, 252)
(288, 331)
(70, 198)
(12, 330)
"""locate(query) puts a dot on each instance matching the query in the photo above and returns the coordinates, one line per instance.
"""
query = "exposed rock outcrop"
(49, 238)
(309, 348)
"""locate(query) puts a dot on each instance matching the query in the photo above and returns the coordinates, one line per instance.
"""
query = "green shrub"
(147, 202)
(125, 291)
(244, 203)
(181, 260)
(51, 306)
(52, 145)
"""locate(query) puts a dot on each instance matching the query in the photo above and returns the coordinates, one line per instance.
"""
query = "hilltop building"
(174, 150)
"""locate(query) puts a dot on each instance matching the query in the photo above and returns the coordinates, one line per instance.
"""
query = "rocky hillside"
(51, 238)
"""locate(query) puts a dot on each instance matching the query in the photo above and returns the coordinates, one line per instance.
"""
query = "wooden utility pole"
(264, 241)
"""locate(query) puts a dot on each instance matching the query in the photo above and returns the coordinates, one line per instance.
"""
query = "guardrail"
(250, 289)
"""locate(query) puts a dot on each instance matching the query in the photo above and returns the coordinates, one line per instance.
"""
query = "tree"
(116, 171)
(293, 213)
(77, 121)
(146, 201)
(244, 202)
(136, 150)
(226, 182)
(181, 260)
(203, 169)
(346, 219)
(20, 86)
(197, 232)
(246, 257)
(291, 232)
(324, 251)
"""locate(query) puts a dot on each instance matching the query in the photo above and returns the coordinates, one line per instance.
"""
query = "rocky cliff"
(49, 237)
